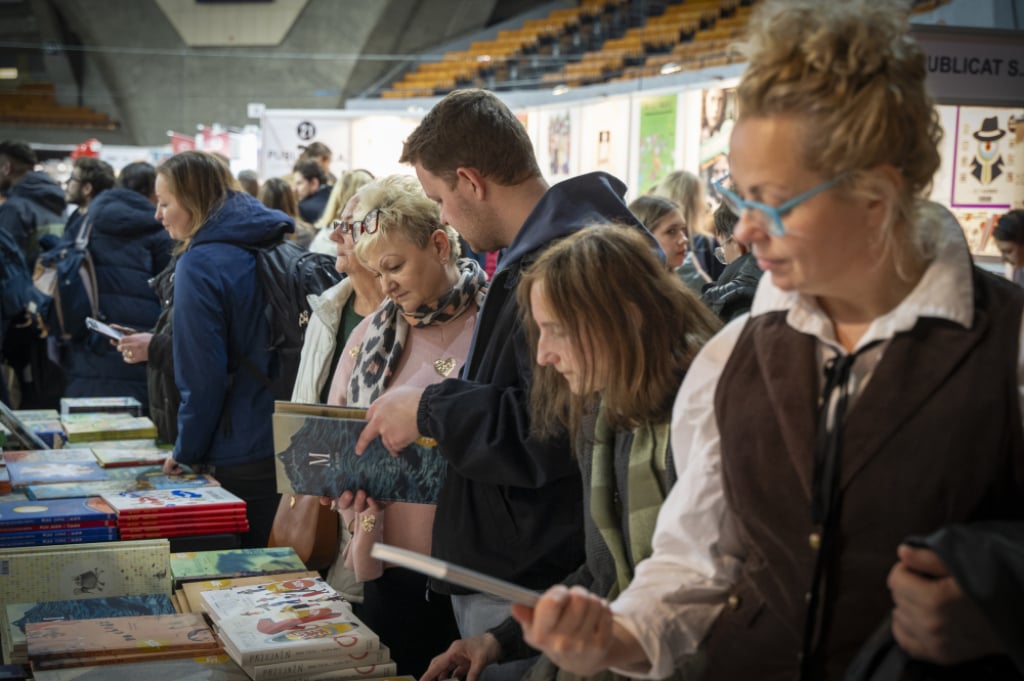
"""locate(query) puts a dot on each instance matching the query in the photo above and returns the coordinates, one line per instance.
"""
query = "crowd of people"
(779, 439)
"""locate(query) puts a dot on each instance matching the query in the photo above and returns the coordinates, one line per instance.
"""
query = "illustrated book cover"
(204, 565)
(172, 500)
(69, 490)
(25, 473)
(367, 664)
(54, 573)
(193, 590)
(315, 447)
(92, 427)
(59, 513)
(49, 455)
(57, 644)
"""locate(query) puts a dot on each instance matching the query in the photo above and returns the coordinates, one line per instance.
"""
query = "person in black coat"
(128, 247)
(733, 293)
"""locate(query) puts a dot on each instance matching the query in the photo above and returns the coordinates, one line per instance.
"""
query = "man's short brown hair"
(472, 129)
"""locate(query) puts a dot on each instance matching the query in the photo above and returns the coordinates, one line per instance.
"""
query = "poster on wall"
(286, 131)
(605, 138)
(717, 116)
(656, 148)
(377, 143)
(985, 159)
(556, 145)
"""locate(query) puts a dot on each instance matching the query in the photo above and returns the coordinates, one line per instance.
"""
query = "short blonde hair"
(344, 189)
(856, 81)
(404, 211)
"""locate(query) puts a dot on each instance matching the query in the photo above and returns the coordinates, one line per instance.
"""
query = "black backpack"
(287, 274)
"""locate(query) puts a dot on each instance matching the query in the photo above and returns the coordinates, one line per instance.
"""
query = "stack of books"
(207, 668)
(178, 512)
(45, 466)
(111, 640)
(93, 426)
(135, 452)
(296, 628)
(19, 615)
(61, 521)
(45, 423)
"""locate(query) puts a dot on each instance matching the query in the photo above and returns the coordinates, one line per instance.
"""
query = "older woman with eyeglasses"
(873, 393)
(420, 335)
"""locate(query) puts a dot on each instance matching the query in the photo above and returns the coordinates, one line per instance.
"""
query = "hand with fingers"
(392, 416)
(572, 626)
(134, 347)
(464, 659)
(932, 618)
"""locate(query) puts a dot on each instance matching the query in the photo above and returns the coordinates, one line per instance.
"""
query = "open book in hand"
(316, 455)
(448, 572)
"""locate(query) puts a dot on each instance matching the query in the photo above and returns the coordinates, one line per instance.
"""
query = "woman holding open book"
(418, 336)
(613, 332)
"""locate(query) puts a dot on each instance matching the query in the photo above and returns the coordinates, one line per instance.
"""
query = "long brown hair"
(201, 182)
(622, 309)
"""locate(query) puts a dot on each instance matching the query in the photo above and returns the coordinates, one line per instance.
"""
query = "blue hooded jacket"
(225, 412)
(128, 248)
(35, 205)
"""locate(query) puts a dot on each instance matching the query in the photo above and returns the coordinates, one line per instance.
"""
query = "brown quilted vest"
(935, 438)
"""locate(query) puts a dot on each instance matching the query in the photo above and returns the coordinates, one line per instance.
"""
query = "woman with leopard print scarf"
(419, 335)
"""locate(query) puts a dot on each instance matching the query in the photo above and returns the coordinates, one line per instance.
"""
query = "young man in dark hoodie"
(511, 503)
(33, 208)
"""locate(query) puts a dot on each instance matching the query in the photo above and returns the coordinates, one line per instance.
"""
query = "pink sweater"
(401, 524)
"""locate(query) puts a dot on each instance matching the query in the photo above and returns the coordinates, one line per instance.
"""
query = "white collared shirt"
(677, 593)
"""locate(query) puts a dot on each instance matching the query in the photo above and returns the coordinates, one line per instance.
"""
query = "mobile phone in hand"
(104, 329)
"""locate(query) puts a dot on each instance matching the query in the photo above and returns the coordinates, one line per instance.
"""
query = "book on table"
(207, 668)
(287, 620)
(93, 427)
(53, 573)
(25, 473)
(18, 615)
(49, 455)
(193, 590)
(227, 563)
(315, 446)
(111, 639)
(367, 664)
(109, 405)
(59, 513)
(174, 501)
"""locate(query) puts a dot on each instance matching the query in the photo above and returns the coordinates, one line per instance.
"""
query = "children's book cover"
(295, 632)
(53, 573)
(69, 490)
(172, 500)
(315, 447)
(205, 668)
(111, 457)
(92, 427)
(270, 597)
(201, 565)
(49, 455)
(25, 473)
(30, 514)
(116, 635)
(193, 590)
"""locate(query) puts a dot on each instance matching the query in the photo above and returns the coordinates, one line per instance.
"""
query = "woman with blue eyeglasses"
(851, 453)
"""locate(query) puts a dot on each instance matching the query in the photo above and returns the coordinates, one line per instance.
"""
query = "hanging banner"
(657, 140)
(287, 131)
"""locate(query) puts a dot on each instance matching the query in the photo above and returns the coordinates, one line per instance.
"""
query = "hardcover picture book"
(228, 563)
(172, 500)
(63, 643)
(138, 455)
(192, 591)
(93, 427)
(68, 490)
(287, 621)
(54, 573)
(367, 664)
(49, 455)
(315, 447)
(25, 473)
(60, 513)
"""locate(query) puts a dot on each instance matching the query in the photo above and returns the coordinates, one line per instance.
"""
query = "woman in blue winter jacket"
(220, 331)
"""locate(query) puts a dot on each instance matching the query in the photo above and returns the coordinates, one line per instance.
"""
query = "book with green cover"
(315, 446)
(197, 565)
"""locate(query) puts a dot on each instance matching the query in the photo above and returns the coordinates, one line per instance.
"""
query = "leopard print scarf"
(384, 342)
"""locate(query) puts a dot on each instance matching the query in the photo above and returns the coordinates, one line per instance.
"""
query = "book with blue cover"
(70, 490)
(49, 455)
(25, 473)
(315, 445)
(63, 511)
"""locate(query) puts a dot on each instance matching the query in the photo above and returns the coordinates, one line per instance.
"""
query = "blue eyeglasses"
(771, 215)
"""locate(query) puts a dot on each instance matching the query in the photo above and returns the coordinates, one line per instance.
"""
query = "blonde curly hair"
(856, 80)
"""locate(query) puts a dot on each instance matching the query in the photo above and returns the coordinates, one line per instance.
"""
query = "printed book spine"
(70, 525)
(316, 640)
(368, 660)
